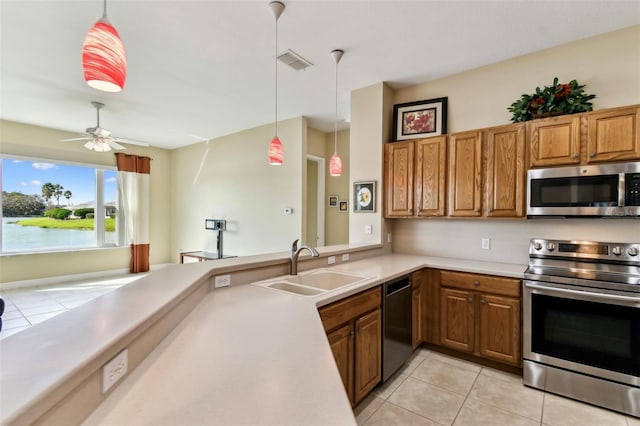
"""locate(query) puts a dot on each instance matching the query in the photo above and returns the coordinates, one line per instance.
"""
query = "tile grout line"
(466, 396)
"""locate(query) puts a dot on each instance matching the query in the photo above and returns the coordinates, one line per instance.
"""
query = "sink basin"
(326, 279)
(292, 288)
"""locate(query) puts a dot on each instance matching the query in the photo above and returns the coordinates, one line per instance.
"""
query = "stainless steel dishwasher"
(396, 326)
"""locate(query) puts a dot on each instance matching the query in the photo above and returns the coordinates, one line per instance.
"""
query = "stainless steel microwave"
(605, 190)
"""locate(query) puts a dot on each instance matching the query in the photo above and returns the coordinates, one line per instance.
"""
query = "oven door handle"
(626, 300)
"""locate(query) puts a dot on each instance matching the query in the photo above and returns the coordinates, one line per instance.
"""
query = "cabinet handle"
(476, 283)
(574, 156)
(470, 299)
(592, 154)
(352, 333)
(483, 301)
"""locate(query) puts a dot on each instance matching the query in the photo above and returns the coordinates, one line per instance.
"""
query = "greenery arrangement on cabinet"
(557, 99)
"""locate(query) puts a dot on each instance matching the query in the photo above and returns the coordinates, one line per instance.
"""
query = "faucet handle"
(294, 246)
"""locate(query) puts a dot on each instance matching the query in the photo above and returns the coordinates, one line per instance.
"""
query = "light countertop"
(244, 355)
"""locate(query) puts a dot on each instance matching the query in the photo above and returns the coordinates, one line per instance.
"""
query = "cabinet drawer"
(484, 283)
(348, 309)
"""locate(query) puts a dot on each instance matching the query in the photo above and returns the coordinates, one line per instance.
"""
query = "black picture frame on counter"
(420, 119)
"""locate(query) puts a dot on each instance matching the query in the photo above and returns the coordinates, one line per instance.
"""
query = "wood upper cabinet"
(505, 172)
(465, 174)
(481, 314)
(354, 330)
(368, 353)
(415, 177)
(613, 135)
(554, 141)
(603, 136)
(430, 179)
(398, 166)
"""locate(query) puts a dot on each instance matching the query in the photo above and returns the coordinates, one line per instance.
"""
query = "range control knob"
(551, 246)
(537, 246)
(617, 250)
(632, 251)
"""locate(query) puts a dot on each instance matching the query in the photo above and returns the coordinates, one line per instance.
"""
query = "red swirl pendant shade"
(335, 165)
(103, 58)
(276, 152)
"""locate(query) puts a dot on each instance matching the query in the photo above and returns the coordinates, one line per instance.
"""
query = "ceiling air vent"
(294, 60)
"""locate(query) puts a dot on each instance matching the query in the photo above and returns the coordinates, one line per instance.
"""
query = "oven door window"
(596, 334)
(585, 191)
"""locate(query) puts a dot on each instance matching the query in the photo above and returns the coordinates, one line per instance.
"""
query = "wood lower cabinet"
(481, 314)
(417, 311)
(354, 331)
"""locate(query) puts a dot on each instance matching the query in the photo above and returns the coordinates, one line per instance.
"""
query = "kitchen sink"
(292, 288)
(314, 282)
(326, 279)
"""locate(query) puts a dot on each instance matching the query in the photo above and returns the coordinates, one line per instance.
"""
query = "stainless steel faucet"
(295, 252)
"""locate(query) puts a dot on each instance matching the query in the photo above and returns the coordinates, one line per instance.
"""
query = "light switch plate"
(486, 243)
(345, 257)
(222, 281)
(331, 260)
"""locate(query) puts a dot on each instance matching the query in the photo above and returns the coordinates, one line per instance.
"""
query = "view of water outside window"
(49, 206)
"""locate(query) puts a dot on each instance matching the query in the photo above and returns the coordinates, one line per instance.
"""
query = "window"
(50, 206)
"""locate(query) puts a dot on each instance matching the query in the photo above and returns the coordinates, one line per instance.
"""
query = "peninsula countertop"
(244, 355)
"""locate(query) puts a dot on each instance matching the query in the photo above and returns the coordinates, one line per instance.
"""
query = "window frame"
(99, 224)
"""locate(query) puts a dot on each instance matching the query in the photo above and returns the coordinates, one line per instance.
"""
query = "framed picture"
(420, 119)
(344, 206)
(364, 196)
(333, 201)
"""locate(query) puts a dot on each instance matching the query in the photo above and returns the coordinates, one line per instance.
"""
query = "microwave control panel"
(632, 185)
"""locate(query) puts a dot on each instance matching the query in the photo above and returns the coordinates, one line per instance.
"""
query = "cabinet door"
(431, 163)
(398, 170)
(342, 345)
(431, 297)
(499, 336)
(465, 174)
(416, 312)
(613, 135)
(554, 141)
(505, 171)
(368, 353)
(456, 319)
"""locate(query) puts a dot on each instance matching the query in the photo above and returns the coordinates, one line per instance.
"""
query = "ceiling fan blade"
(113, 144)
(86, 138)
(130, 141)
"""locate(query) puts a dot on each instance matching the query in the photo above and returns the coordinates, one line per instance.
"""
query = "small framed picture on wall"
(344, 206)
(364, 197)
(333, 201)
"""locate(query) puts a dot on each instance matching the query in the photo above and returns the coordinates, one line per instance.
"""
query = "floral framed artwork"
(364, 197)
(344, 206)
(420, 119)
(333, 201)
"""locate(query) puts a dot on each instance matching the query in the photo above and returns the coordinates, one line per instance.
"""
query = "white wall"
(610, 67)
(229, 178)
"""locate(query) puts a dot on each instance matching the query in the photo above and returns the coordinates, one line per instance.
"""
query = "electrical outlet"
(331, 260)
(389, 237)
(222, 281)
(114, 370)
(345, 257)
(368, 229)
(486, 243)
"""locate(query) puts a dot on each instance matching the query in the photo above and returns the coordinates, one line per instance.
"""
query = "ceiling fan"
(100, 139)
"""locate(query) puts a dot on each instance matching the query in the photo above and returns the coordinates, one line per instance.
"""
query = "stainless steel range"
(582, 322)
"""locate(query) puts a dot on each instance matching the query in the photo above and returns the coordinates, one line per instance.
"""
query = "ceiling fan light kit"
(104, 62)
(276, 150)
(335, 164)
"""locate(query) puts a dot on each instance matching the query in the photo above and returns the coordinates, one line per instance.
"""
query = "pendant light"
(276, 150)
(335, 164)
(103, 58)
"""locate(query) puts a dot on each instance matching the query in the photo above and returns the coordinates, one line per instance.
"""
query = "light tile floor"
(27, 306)
(435, 389)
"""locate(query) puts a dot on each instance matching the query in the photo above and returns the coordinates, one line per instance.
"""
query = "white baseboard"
(73, 277)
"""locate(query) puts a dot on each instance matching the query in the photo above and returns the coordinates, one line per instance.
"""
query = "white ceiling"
(207, 68)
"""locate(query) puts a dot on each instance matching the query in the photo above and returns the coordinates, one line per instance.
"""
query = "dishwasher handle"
(393, 288)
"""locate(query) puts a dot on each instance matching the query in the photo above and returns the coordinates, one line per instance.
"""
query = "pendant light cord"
(335, 122)
(104, 10)
(276, 69)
